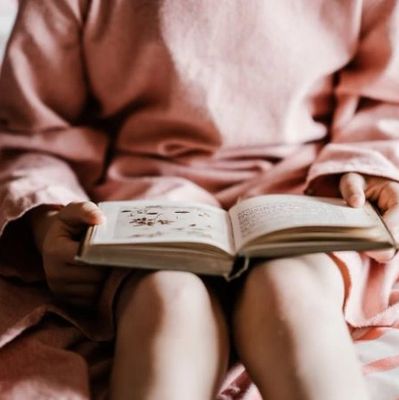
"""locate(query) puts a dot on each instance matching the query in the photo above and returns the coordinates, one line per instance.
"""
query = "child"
(209, 101)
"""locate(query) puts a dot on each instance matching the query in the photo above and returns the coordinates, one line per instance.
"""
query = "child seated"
(212, 102)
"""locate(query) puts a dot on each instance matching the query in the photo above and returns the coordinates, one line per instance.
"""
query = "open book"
(209, 240)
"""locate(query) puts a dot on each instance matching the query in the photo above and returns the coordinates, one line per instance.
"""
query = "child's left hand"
(356, 188)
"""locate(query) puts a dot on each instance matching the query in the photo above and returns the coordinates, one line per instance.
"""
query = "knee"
(173, 290)
(163, 296)
(305, 281)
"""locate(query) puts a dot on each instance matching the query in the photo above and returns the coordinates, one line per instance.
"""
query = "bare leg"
(172, 341)
(291, 335)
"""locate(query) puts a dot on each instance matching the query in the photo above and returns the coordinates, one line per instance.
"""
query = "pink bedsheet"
(378, 351)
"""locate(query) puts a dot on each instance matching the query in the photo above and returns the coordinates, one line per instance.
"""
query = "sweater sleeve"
(47, 155)
(365, 128)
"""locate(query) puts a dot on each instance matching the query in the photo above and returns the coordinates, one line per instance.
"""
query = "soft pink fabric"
(203, 100)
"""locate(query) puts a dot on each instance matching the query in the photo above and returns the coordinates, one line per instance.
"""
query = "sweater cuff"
(15, 206)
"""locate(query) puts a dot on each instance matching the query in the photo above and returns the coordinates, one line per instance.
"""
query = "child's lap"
(29, 311)
(121, 283)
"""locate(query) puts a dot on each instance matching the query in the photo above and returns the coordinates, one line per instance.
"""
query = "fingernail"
(98, 215)
(356, 200)
(101, 218)
(95, 212)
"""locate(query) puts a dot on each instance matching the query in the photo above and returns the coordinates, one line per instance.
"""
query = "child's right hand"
(57, 234)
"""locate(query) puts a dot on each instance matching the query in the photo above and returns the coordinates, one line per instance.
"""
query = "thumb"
(352, 187)
(85, 213)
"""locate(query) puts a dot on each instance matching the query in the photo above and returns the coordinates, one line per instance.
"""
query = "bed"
(377, 348)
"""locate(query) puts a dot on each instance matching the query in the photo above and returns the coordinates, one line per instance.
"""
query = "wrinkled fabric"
(186, 100)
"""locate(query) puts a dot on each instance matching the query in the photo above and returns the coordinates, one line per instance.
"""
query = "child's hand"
(56, 234)
(356, 188)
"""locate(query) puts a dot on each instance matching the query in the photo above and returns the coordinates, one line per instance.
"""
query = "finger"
(385, 192)
(64, 288)
(352, 187)
(81, 304)
(85, 213)
(381, 256)
(82, 296)
(77, 293)
(82, 291)
(59, 260)
(70, 272)
(59, 246)
(78, 274)
(63, 243)
(391, 219)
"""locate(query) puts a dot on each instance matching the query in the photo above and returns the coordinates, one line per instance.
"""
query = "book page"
(261, 215)
(134, 222)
